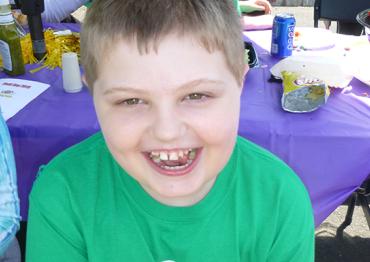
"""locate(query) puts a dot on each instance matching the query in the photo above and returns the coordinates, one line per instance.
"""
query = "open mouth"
(173, 162)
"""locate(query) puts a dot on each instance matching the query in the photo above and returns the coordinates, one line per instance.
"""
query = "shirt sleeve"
(57, 10)
(9, 201)
(237, 6)
(53, 231)
(294, 239)
(249, 8)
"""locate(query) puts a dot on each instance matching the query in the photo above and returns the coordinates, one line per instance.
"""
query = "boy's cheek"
(216, 127)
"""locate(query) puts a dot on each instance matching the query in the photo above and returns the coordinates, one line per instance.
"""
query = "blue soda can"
(282, 35)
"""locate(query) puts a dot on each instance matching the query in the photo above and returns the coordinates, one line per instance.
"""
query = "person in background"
(346, 28)
(167, 178)
(9, 201)
(255, 14)
(251, 6)
(55, 10)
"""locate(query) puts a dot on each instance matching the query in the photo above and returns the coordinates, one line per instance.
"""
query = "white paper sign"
(15, 94)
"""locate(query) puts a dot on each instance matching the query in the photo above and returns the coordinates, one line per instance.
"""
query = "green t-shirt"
(236, 3)
(88, 3)
(84, 207)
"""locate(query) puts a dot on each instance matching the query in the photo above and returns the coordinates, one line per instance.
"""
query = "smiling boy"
(167, 179)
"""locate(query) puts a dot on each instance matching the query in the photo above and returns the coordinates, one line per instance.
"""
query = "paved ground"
(303, 16)
(355, 245)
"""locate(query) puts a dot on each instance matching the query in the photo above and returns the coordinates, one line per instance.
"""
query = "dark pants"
(349, 28)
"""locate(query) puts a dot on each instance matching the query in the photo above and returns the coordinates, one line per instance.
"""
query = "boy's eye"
(196, 96)
(132, 101)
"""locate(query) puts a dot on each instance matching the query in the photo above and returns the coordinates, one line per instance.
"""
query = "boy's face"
(169, 117)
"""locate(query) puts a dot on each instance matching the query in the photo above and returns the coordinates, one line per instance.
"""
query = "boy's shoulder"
(74, 175)
(86, 150)
(252, 151)
(260, 164)
(76, 165)
(280, 201)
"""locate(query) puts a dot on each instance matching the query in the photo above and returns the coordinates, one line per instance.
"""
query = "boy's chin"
(180, 194)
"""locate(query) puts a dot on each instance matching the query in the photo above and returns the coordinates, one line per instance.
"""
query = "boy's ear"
(83, 77)
(246, 69)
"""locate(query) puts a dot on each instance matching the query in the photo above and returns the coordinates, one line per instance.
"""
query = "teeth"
(181, 154)
(154, 153)
(163, 156)
(192, 155)
(158, 156)
(177, 167)
(174, 156)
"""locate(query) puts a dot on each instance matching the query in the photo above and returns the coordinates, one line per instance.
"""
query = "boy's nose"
(168, 126)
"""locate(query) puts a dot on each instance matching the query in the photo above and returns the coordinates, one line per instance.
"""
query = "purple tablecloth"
(52, 122)
(329, 148)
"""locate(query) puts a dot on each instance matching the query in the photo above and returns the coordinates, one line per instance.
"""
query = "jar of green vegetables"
(10, 46)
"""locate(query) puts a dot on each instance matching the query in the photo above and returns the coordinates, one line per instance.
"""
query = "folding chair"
(360, 196)
(342, 11)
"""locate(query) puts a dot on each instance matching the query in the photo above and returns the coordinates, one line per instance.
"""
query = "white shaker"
(72, 82)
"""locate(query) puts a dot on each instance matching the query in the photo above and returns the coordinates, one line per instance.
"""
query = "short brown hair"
(214, 23)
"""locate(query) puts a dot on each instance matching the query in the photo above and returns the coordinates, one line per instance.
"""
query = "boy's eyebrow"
(186, 85)
(122, 89)
(200, 81)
